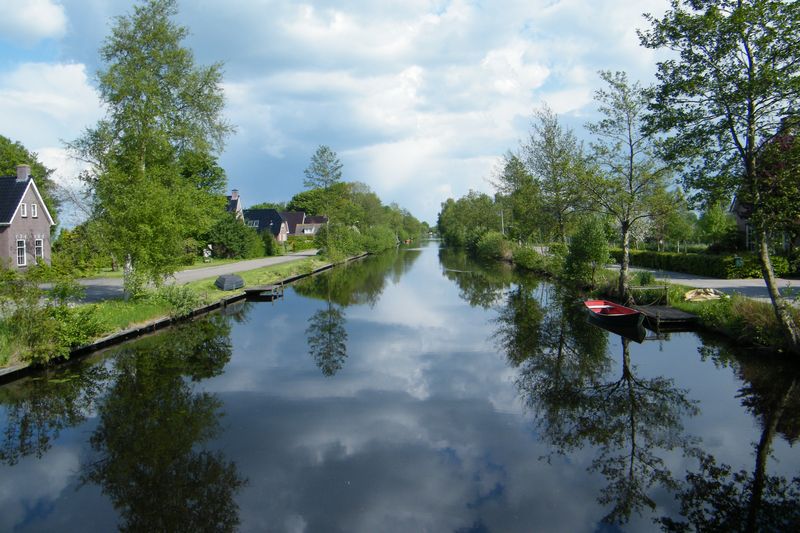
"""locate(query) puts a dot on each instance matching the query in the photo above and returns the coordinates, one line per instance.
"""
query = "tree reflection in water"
(717, 499)
(151, 426)
(327, 339)
(37, 409)
(565, 380)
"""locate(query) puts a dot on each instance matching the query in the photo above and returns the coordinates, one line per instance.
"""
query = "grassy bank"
(112, 316)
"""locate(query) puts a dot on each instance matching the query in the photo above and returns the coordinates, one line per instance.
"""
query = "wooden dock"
(264, 292)
(662, 317)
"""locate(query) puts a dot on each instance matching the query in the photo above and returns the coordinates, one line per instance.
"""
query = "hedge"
(714, 266)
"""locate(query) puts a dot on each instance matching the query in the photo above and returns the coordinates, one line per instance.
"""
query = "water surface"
(416, 391)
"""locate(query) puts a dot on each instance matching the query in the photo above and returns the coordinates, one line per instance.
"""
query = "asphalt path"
(755, 288)
(98, 289)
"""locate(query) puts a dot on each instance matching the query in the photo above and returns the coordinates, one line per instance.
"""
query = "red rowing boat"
(612, 313)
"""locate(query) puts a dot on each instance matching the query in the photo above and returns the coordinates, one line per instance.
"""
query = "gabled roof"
(12, 191)
(316, 219)
(293, 218)
(265, 219)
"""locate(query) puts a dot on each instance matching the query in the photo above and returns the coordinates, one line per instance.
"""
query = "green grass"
(108, 273)
(118, 315)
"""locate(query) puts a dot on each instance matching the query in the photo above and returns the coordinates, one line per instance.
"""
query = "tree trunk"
(623, 268)
(783, 311)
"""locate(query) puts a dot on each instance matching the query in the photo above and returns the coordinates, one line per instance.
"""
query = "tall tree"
(735, 78)
(629, 184)
(553, 157)
(153, 174)
(520, 198)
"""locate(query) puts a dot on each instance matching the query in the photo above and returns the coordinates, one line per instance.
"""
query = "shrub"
(271, 245)
(230, 239)
(493, 245)
(338, 242)
(299, 243)
(587, 251)
(715, 266)
(378, 239)
(645, 277)
(180, 299)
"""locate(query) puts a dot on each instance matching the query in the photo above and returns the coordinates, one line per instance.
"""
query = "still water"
(414, 391)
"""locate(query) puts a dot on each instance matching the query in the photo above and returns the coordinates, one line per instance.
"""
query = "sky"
(420, 99)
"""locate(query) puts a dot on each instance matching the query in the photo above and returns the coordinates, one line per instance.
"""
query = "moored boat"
(614, 314)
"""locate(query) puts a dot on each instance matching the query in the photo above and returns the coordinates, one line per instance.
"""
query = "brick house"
(25, 221)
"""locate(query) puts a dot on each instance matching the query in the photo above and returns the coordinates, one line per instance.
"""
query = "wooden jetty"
(665, 318)
(264, 292)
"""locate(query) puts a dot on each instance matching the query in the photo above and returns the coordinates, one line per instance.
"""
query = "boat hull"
(614, 314)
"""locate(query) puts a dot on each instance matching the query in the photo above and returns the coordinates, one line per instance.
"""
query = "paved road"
(106, 288)
(754, 288)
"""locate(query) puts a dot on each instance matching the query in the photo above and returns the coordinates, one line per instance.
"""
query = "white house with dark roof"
(25, 221)
(235, 205)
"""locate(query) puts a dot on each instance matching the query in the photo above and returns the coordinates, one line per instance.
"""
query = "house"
(302, 224)
(235, 205)
(267, 220)
(25, 221)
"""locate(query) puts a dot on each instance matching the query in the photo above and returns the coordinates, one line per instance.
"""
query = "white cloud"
(29, 21)
(42, 104)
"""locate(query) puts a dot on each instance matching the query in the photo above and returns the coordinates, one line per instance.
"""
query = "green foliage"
(230, 238)
(324, 170)
(527, 258)
(711, 265)
(44, 327)
(555, 160)
(338, 242)
(180, 299)
(277, 206)
(13, 154)
(79, 250)
(377, 239)
(271, 244)
(493, 245)
(645, 277)
(462, 222)
(718, 227)
(588, 251)
(299, 243)
(153, 175)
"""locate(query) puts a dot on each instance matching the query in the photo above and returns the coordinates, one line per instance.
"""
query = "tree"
(327, 339)
(520, 198)
(588, 250)
(324, 170)
(153, 175)
(629, 185)
(13, 154)
(677, 225)
(736, 78)
(553, 157)
(717, 225)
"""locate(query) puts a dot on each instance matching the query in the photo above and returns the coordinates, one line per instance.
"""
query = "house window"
(308, 231)
(39, 248)
(23, 210)
(34, 210)
(21, 259)
(252, 223)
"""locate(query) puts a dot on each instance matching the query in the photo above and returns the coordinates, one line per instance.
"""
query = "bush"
(715, 266)
(271, 245)
(645, 278)
(378, 239)
(231, 239)
(180, 299)
(299, 243)
(338, 242)
(587, 252)
(493, 245)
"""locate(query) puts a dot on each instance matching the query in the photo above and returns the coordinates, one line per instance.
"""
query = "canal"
(412, 391)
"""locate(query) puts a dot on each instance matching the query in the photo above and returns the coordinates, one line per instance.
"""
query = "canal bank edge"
(14, 372)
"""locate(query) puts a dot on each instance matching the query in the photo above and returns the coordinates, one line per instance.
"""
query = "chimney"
(235, 194)
(23, 172)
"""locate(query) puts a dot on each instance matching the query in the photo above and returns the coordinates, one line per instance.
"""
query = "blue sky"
(420, 99)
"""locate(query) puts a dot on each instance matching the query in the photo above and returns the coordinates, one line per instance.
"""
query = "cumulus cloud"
(29, 21)
(42, 103)
(417, 97)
